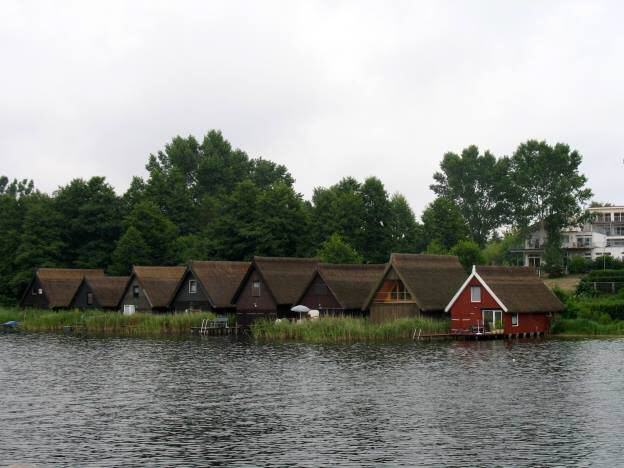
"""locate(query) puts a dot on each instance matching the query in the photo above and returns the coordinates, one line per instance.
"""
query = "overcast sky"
(328, 88)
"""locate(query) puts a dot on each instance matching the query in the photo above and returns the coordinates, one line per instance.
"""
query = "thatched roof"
(285, 278)
(520, 289)
(158, 282)
(432, 280)
(108, 290)
(219, 279)
(60, 284)
(350, 284)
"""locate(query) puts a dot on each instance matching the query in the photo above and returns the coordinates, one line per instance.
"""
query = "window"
(475, 294)
(89, 298)
(129, 309)
(255, 288)
(192, 287)
(534, 262)
(514, 320)
(492, 319)
(392, 291)
(135, 291)
(34, 291)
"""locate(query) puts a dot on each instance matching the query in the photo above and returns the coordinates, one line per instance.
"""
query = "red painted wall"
(465, 314)
(527, 323)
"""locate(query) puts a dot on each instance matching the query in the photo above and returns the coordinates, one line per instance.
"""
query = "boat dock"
(217, 327)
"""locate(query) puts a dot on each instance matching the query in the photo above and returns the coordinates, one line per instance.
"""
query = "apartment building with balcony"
(602, 234)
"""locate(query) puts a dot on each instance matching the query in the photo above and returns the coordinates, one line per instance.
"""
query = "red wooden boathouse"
(503, 300)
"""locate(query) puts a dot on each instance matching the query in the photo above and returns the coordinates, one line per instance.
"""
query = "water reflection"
(164, 402)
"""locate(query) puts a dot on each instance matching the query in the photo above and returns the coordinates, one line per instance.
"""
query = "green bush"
(578, 265)
(599, 282)
(608, 262)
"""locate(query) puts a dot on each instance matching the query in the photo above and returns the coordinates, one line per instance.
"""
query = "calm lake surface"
(73, 401)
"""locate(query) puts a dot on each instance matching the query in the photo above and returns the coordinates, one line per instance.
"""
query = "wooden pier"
(218, 327)
(467, 335)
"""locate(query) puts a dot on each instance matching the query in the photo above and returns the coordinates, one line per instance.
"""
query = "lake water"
(131, 402)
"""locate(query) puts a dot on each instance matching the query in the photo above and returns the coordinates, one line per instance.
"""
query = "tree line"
(206, 200)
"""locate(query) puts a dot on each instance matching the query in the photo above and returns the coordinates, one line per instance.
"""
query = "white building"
(602, 235)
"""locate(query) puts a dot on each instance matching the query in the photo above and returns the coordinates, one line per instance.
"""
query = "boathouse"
(100, 292)
(340, 289)
(209, 286)
(503, 300)
(54, 288)
(271, 286)
(151, 288)
(413, 285)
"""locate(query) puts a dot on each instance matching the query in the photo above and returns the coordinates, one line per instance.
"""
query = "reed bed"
(346, 329)
(587, 327)
(105, 323)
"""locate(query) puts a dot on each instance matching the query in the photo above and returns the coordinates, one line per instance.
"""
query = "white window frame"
(472, 295)
(129, 309)
(515, 316)
(192, 286)
(495, 313)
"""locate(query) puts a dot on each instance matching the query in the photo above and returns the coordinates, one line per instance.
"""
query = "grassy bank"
(344, 329)
(105, 323)
(590, 315)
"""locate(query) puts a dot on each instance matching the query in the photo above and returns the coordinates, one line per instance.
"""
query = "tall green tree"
(469, 254)
(253, 221)
(406, 233)
(336, 250)
(235, 231)
(158, 232)
(477, 183)
(91, 214)
(444, 223)
(14, 197)
(338, 209)
(547, 189)
(375, 242)
(40, 239)
(284, 222)
(130, 250)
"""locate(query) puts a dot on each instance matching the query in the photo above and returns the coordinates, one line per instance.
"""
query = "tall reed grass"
(346, 329)
(105, 323)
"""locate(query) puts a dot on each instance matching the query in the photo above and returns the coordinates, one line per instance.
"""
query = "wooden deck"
(216, 331)
(467, 335)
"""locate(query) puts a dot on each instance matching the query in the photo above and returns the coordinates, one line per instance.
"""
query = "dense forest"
(206, 200)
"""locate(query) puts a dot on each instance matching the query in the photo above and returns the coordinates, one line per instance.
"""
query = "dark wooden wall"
(140, 303)
(183, 300)
(385, 312)
(37, 301)
(248, 303)
(318, 296)
(80, 300)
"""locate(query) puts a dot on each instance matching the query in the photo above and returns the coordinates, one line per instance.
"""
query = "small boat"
(10, 326)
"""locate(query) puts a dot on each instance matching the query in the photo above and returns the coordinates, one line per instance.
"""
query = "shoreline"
(102, 324)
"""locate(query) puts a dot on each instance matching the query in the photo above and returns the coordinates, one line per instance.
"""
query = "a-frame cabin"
(414, 285)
